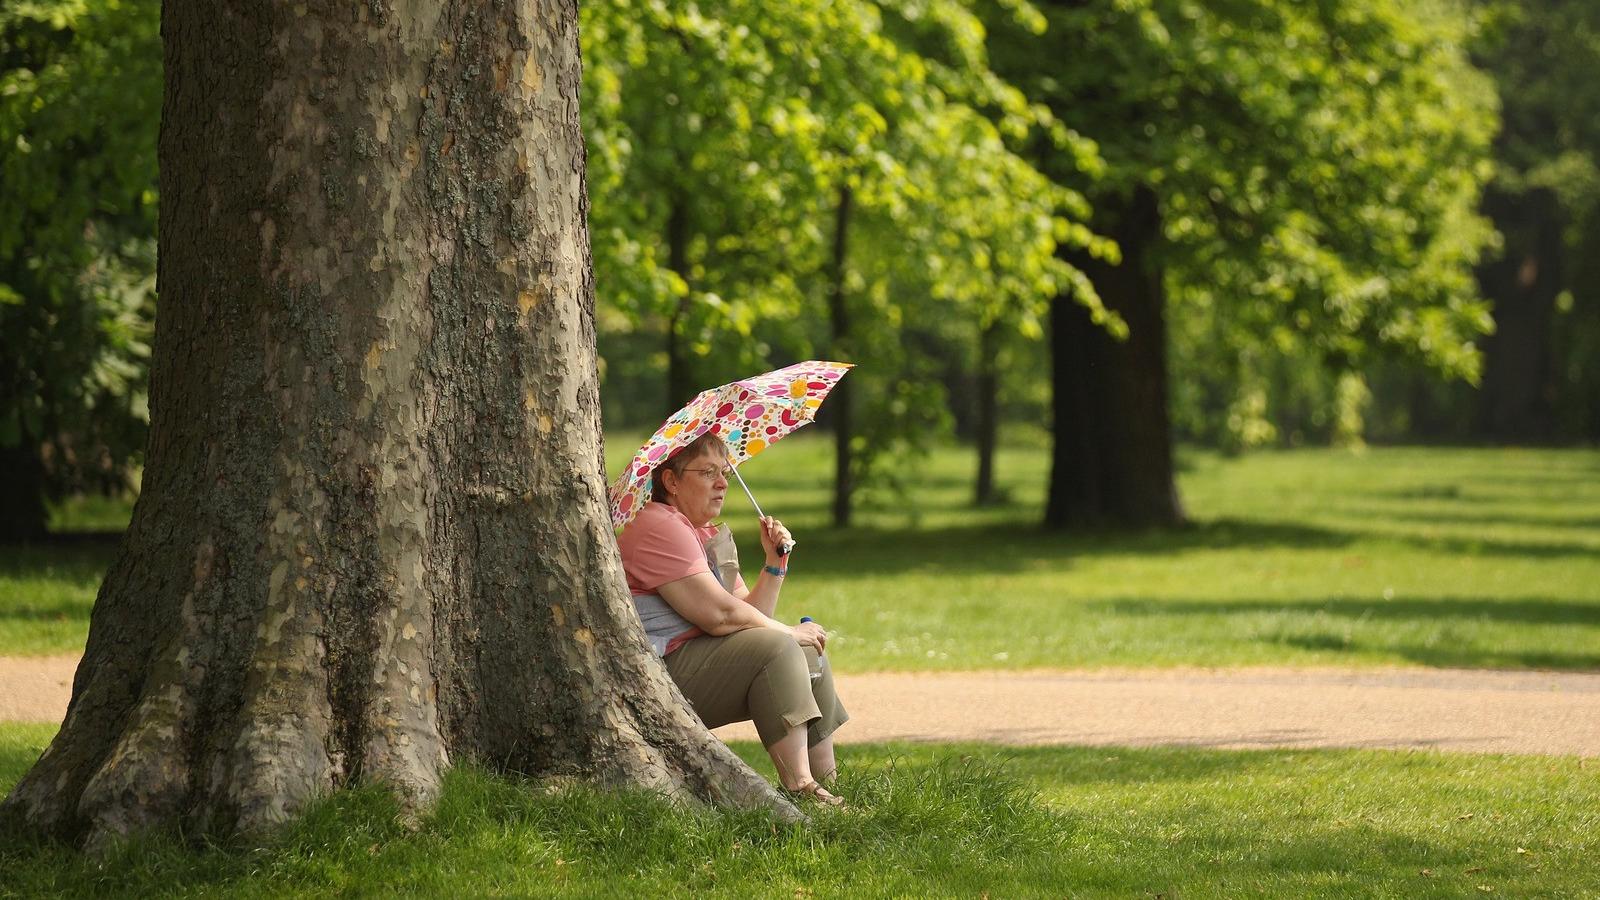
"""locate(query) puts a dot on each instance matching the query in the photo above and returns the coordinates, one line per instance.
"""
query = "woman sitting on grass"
(722, 647)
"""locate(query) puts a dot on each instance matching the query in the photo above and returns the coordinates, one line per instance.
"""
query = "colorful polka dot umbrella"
(750, 415)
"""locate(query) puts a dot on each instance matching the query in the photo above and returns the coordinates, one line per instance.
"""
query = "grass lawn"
(1404, 556)
(945, 820)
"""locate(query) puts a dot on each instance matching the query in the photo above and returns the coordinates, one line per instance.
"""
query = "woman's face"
(698, 489)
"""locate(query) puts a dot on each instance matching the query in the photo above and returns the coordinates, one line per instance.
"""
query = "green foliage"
(729, 130)
(80, 87)
(735, 123)
(1317, 167)
(1541, 54)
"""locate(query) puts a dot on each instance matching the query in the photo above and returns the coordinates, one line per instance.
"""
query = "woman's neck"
(685, 515)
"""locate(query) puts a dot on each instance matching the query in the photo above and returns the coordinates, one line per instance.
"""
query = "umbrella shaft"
(748, 494)
(786, 546)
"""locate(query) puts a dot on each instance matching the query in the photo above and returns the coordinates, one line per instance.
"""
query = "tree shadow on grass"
(1472, 546)
(1331, 625)
(1470, 487)
(1017, 546)
(85, 559)
(73, 565)
(1466, 517)
(13, 611)
(1532, 611)
(1418, 529)
(1458, 657)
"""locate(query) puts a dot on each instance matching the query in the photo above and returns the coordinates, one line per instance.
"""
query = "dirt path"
(1471, 711)
(35, 688)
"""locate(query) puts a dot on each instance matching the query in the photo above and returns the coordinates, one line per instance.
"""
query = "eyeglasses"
(711, 473)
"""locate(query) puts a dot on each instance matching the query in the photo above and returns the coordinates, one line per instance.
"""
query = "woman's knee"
(772, 646)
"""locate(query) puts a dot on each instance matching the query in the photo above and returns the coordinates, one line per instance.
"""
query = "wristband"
(775, 570)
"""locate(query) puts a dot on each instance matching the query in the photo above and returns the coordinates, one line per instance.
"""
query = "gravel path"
(1460, 710)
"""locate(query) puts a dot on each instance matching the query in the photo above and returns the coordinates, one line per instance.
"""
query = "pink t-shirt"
(659, 546)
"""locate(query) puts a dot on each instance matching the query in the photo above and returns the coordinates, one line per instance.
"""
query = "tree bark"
(1111, 462)
(1517, 400)
(25, 516)
(843, 396)
(372, 537)
(988, 412)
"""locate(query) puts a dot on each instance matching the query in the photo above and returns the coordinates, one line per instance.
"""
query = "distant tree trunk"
(988, 412)
(1112, 457)
(1516, 401)
(373, 535)
(841, 400)
(680, 381)
(23, 514)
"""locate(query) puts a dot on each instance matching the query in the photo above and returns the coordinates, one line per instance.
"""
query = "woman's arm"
(764, 596)
(702, 600)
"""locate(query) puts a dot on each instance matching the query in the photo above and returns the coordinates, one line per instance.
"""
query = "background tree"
(817, 164)
(372, 538)
(1313, 166)
(1540, 376)
(79, 100)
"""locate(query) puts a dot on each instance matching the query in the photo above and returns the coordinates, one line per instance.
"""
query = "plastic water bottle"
(818, 673)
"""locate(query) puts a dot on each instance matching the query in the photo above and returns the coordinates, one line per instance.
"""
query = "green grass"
(46, 593)
(1407, 556)
(1482, 558)
(929, 821)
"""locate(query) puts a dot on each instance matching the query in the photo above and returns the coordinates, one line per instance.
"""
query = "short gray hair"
(704, 445)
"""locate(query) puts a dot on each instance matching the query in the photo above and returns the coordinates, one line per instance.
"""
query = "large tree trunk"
(1112, 457)
(23, 514)
(372, 537)
(843, 396)
(1517, 402)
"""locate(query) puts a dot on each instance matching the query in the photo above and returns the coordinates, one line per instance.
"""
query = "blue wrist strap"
(775, 570)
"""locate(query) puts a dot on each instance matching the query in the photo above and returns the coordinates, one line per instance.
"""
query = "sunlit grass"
(941, 820)
(1407, 556)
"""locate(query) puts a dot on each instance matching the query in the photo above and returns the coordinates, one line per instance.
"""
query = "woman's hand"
(773, 536)
(810, 634)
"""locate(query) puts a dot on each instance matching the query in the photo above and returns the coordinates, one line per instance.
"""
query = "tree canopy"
(912, 182)
(764, 168)
(1317, 168)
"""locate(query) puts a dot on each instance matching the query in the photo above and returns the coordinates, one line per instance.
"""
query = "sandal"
(813, 792)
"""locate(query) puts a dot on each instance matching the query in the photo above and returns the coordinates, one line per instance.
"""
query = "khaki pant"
(762, 675)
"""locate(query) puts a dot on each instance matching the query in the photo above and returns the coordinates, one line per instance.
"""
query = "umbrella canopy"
(750, 415)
